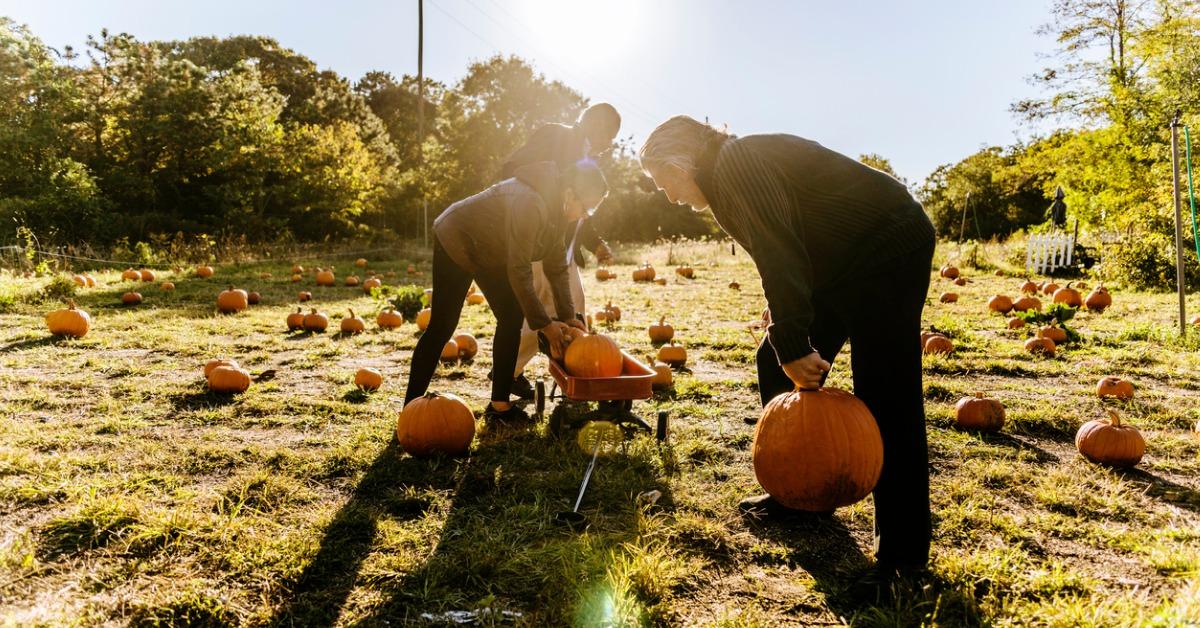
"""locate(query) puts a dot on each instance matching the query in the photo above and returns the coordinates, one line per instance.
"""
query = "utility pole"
(962, 225)
(1179, 279)
(421, 114)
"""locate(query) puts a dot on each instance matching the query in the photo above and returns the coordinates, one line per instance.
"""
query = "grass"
(131, 495)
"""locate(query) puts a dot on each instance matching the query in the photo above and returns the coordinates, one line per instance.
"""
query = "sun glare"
(589, 36)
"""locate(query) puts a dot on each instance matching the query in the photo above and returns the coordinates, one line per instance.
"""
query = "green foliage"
(1148, 262)
(997, 196)
(408, 300)
(60, 288)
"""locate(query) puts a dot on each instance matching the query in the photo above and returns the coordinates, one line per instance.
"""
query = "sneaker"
(764, 506)
(522, 388)
(509, 416)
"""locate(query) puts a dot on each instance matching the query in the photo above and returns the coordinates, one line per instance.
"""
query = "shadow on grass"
(1041, 456)
(498, 546)
(1165, 490)
(201, 399)
(34, 343)
(356, 395)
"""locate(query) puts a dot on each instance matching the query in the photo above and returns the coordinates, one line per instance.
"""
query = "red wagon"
(614, 397)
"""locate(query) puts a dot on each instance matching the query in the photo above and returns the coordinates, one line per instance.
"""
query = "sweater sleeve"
(540, 147)
(755, 200)
(524, 220)
(556, 269)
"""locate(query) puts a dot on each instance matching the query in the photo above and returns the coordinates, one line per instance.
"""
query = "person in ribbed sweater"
(844, 252)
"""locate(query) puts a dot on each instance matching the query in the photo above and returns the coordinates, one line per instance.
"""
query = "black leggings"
(450, 285)
(886, 366)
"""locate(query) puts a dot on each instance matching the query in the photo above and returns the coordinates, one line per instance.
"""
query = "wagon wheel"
(557, 419)
(539, 397)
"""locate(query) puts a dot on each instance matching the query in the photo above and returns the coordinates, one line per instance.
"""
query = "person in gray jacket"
(493, 238)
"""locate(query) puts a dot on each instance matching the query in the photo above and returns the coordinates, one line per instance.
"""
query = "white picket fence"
(1046, 252)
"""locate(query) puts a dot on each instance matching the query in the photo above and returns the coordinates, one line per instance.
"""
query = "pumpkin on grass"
(325, 277)
(685, 271)
(295, 320)
(435, 424)
(361, 262)
(70, 321)
(1026, 303)
(315, 321)
(351, 280)
(297, 277)
(594, 355)
(1000, 303)
(229, 379)
(949, 272)
(1114, 387)
(1040, 345)
(948, 297)
(476, 299)
(978, 413)
(368, 379)
(167, 286)
(1049, 288)
(91, 281)
(423, 318)
(449, 351)
(146, 275)
(1057, 334)
(353, 324)
(1029, 287)
(1068, 296)
(131, 275)
(468, 347)
(662, 332)
(297, 269)
(1016, 323)
(1098, 300)
(817, 450)
(80, 281)
(663, 377)
(204, 272)
(131, 298)
(936, 344)
(604, 274)
(673, 354)
(961, 281)
(232, 300)
(1109, 442)
(253, 298)
(304, 296)
(373, 282)
(389, 319)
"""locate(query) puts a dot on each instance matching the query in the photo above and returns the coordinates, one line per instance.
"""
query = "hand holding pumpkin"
(808, 371)
(577, 324)
(554, 333)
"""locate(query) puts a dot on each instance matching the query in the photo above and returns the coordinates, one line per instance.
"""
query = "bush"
(408, 300)
(1148, 262)
(60, 288)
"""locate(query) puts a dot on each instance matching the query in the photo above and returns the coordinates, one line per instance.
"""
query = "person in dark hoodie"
(493, 238)
(832, 239)
(589, 138)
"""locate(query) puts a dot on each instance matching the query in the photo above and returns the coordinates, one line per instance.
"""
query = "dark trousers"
(450, 285)
(880, 314)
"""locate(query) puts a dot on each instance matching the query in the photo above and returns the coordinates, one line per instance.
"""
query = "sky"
(922, 83)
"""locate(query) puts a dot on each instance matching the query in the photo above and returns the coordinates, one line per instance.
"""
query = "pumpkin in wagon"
(437, 423)
(594, 355)
(817, 450)
(70, 321)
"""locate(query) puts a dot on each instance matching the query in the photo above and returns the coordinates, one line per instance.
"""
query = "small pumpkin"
(131, 275)
(998, 273)
(1068, 296)
(662, 281)
(435, 423)
(167, 286)
(229, 379)
(315, 321)
(351, 280)
(961, 281)
(131, 298)
(1016, 323)
(297, 277)
(602, 316)
(146, 275)
(949, 272)
(733, 285)
(1098, 299)
(1040, 346)
(325, 277)
(353, 324)
(1029, 287)
(1049, 288)
(1027, 303)
(476, 299)
(423, 318)
(613, 311)
(1057, 334)
(91, 281)
(1000, 303)
(662, 332)
(1114, 387)
(232, 300)
(80, 281)
(389, 319)
(673, 354)
(1109, 442)
(663, 377)
(297, 269)
(468, 347)
(450, 351)
(361, 262)
(253, 298)
(212, 364)
(368, 379)
(204, 272)
(817, 450)
(265, 276)
(685, 271)
(594, 355)
(373, 282)
(937, 343)
(303, 296)
(295, 320)
(978, 413)
(412, 270)
(948, 297)
(70, 321)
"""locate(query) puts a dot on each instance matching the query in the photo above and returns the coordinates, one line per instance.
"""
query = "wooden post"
(1179, 278)
(421, 113)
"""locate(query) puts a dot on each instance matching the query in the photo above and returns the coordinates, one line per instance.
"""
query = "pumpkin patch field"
(138, 487)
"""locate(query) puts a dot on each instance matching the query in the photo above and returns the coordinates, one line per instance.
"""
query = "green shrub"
(1147, 261)
(60, 288)
(408, 300)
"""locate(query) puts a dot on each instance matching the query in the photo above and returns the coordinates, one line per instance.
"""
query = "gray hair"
(677, 142)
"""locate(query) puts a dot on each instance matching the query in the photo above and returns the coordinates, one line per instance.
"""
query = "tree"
(881, 163)
(998, 197)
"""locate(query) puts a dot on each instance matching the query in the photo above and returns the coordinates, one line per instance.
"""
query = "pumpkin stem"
(662, 320)
(978, 395)
(71, 304)
(351, 312)
(1114, 418)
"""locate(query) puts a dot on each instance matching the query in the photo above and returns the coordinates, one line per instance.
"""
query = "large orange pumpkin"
(146, 274)
(937, 343)
(325, 277)
(450, 351)
(295, 320)
(229, 379)
(1027, 303)
(467, 346)
(315, 321)
(212, 364)
(1055, 333)
(1068, 296)
(232, 300)
(353, 324)
(71, 321)
(596, 355)
(979, 413)
(1000, 303)
(373, 282)
(949, 272)
(1108, 442)
(131, 298)
(435, 423)
(817, 450)
(1029, 287)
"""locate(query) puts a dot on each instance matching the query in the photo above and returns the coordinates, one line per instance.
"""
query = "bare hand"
(807, 372)
(577, 324)
(554, 338)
